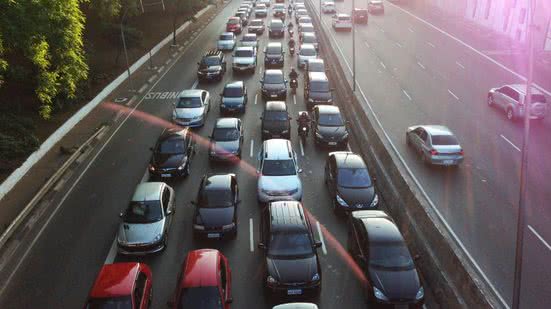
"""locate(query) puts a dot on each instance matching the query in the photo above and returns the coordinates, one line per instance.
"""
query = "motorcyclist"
(293, 75)
(290, 25)
(291, 43)
(303, 121)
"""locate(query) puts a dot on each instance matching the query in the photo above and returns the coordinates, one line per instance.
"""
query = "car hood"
(226, 42)
(189, 112)
(273, 87)
(332, 132)
(292, 270)
(355, 196)
(212, 68)
(396, 285)
(249, 43)
(275, 126)
(279, 183)
(226, 147)
(215, 217)
(233, 101)
(243, 60)
(140, 233)
(168, 160)
(274, 56)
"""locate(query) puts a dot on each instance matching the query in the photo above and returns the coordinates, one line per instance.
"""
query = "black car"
(273, 55)
(317, 90)
(274, 85)
(226, 140)
(234, 98)
(349, 183)
(256, 26)
(216, 207)
(377, 246)
(172, 154)
(359, 16)
(212, 66)
(329, 127)
(276, 121)
(276, 29)
(292, 263)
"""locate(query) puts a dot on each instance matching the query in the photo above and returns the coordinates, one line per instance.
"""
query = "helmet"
(304, 114)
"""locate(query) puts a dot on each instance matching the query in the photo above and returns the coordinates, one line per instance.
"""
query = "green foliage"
(3, 63)
(106, 10)
(16, 137)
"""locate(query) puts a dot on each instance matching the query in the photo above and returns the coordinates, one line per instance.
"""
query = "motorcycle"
(291, 32)
(302, 129)
(292, 50)
(294, 85)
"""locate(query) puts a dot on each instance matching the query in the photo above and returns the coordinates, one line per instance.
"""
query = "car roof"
(271, 44)
(304, 25)
(277, 21)
(317, 76)
(250, 35)
(277, 149)
(115, 280)
(257, 20)
(305, 34)
(328, 109)
(201, 268)
(191, 93)
(437, 130)
(307, 46)
(273, 72)
(227, 122)
(218, 182)
(235, 84)
(379, 225)
(233, 17)
(342, 15)
(245, 48)
(276, 106)
(148, 191)
(348, 159)
(521, 88)
(315, 61)
(286, 216)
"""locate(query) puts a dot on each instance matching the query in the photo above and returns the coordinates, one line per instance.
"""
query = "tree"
(3, 63)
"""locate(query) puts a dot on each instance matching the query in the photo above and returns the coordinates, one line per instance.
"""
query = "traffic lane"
(535, 288)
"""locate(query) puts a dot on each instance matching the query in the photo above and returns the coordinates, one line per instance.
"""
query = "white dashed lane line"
(421, 65)
(453, 94)
(406, 94)
(255, 98)
(431, 45)
(460, 65)
(323, 248)
(251, 236)
(252, 148)
(545, 243)
(301, 148)
(510, 143)
(383, 65)
(195, 84)
(411, 30)
(295, 99)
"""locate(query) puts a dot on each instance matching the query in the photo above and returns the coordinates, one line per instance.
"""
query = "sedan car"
(226, 41)
(234, 98)
(226, 140)
(274, 85)
(375, 7)
(273, 55)
(510, 99)
(328, 7)
(256, 26)
(304, 20)
(307, 51)
(260, 10)
(276, 121)
(276, 28)
(172, 154)
(435, 144)
(146, 220)
(342, 22)
(216, 207)
(192, 108)
(329, 127)
(349, 183)
(309, 38)
(379, 249)
(234, 25)
(360, 16)
(249, 39)
(244, 59)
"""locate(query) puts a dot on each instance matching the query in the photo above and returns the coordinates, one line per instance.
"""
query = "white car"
(226, 41)
(260, 11)
(296, 306)
(278, 172)
(375, 6)
(265, 2)
(191, 108)
(342, 22)
(304, 20)
(249, 39)
(328, 7)
(309, 38)
(307, 51)
(244, 59)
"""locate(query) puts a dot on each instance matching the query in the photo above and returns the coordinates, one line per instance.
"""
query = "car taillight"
(433, 152)
(461, 152)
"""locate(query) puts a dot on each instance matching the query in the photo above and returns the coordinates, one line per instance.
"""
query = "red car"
(121, 285)
(234, 25)
(204, 282)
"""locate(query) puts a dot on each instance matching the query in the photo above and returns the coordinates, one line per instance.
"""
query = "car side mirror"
(174, 104)
(193, 203)
(169, 211)
(374, 179)
(238, 202)
(198, 63)
(221, 94)
(332, 89)
(299, 170)
(262, 81)
(121, 214)
(318, 244)
(261, 246)
(260, 117)
(416, 257)
(347, 122)
(290, 118)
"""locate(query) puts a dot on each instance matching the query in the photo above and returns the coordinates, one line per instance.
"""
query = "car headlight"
(197, 117)
(265, 131)
(228, 226)
(271, 281)
(158, 237)
(222, 105)
(310, 100)
(285, 131)
(379, 295)
(341, 201)
(316, 277)
(318, 135)
(151, 168)
(375, 201)
(420, 294)
(198, 227)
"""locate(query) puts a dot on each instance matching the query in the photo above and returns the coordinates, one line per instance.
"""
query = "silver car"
(191, 108)
(435, 144)
(244, 59)
(146, 220)
(249, 39)
(307, 51)
(510, 98)
(226, 41)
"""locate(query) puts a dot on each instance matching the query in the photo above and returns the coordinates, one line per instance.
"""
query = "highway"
(61, 262)
(413, 73)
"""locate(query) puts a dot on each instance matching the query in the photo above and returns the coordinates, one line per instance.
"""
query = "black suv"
(172, 154)
(329, 127)
(377, 246)
(317, 90)
(292, 263)
(276, 29)
(273, 55)
(274, 85)
(276, 121)
(212, 66)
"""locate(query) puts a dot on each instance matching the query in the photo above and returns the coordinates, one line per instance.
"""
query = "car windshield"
(289, 244)
(276, 26)
(391, 256)
(225, 134)
(124, 302)
(273, 49)
(316, 67)
(233, 92)
(226, 37)
(354, 178)
(143, 212)
(278, 168)
(319, 87)
(307, 28)
(233, 21)
(200, 297)
(171, 146)
(309, 39)
(189, 102)
(274, 79)
(308, 52)
(538, 98)
(305, 20)
(344, 18)
(444, 140)
(243, 53)
(216, 198)
(209, 61)
(249, 38)
(275, 116)
(255, 23)
(330, 120)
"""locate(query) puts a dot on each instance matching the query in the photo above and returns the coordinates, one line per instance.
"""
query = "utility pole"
(176, 9)
(353, 46)
(124, 46)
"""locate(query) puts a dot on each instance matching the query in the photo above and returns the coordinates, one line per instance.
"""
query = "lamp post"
(353, 47)
(124, 45)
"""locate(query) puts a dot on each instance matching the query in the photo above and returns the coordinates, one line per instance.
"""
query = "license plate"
(273, 95)
(166, 175)
(449, 162)
(213, 235)
(332, 143)
(275, 136)
(294, 292)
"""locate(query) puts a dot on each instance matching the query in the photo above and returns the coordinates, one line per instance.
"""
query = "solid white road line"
(142, 89)
(383, 65)
(251, 237)
(252, 148)
(255, 98)
(421, 65)
(511, 143)
(411, 30)
(431, 45)
(398, 44)
(406, 93)
(195, 84)
(112, 253)
(295, 99)
(323, 248)
(545, 243)
(460, 65)
(159, 70)
(152, 78)
(367, 44)
(453, 94)
(301, 147)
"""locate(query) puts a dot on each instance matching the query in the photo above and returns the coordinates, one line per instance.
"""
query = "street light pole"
(353, 47)
(320, 12)
(124, 44)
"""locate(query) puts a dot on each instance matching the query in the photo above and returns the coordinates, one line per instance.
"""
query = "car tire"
(187, 172)
(510, 114)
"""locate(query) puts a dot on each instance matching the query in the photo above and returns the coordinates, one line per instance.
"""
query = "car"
(234, 98)
(309, 38)
(212, 66)
(146, 220)
(250, 39)
(328, 7)
(510, 98)
(299, 6)
(204, 281)
(248, 10)
(329, 127)
(278, 172)
(291, 258)
(260, 11)
(121, 285)
(296, 306)
(244, 15)
(436, 144)
(377, 246)
(375, 7)
(279, 1)
(216, 207)
(342, 22)
(172, 154)
(317, 90)
(234, 24)
(226, 140)
(315, 65)
(307, 51)
(276, 121)
(306, 27)
(274, 85)
(226, 41)
(273, 55)
(279, 10)
(349, 183)
(300, 13)
(244, 59)
(360, 16)
(263, 2)
(276, 29)
(192, 108)
(304, 20)
(256, 26)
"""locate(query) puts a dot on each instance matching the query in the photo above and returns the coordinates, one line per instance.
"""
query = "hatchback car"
(256, 26)
(226, 140)
(212, 66)
(360, 16)
(121, 285)
(216, 207)
(192, 108)
(510, 99)
(249, 39)
(329, 127)
(172, 154)
(276, 121)
(307, 51)
(278, 172)
(260, 10)
(234, 24)
(276, 29)
(292, 263)
(234, 98)
(244, 59)
(309, 38)
(273, 55)
(204, 281)
(435, 144)
(226, 41)
(349, 183)
(328, 7)
(274, 85)
(300, 13)
(304, 20)
(378, 247)
(279, 10)
(342, 22)
(375, 7)
(244, 15)
(315, 65)
(317, 90)
(146, 220)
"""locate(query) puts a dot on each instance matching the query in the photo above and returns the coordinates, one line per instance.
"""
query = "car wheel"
(490, 100)
(510, 114)
(188, 169)
(408, 142)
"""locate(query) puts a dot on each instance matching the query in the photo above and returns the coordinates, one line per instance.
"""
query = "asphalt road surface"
(411, 74)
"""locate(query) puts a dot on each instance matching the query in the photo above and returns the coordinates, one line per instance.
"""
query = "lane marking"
(460, 65)
(295, 99)
(255, 98)
(323, 248)
(159, 70)
(112, 253)
(167, 61)
(117, 116)
(545, 243)
(453, 94)
(195, 84)
(410, 30)
(145, 177)
(383, 65)
(252, 147)
(251, 237)
(511, 143)
(131, 101)
(152, 78)
(142, 89)
(431, 45)
(406, 93)
(301, 147)
(367, 44)
(421, 65)
(174, 54)
(398, 44)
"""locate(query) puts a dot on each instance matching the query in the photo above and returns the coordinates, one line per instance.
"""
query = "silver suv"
(510, 98)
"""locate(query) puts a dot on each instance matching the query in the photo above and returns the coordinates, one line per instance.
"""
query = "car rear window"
(233, 92)
(225, 37)
(444, 140)
(249, 38)
(278, 168)
(200, 297)
(233, 21)
(190, 102)
(211, 61)
(243, 53)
